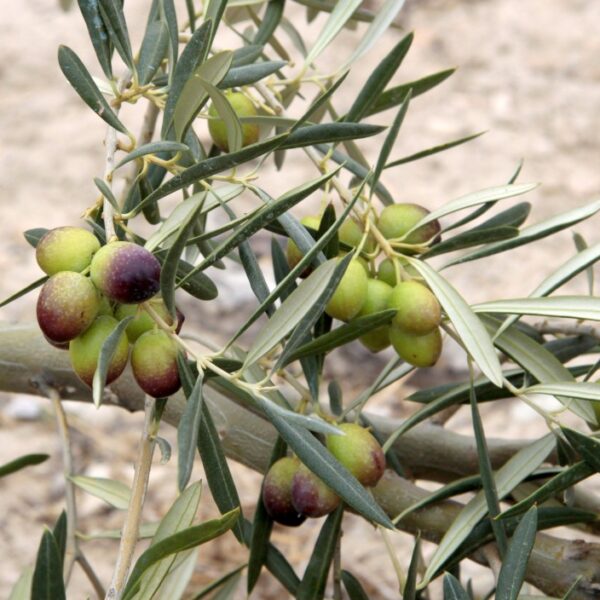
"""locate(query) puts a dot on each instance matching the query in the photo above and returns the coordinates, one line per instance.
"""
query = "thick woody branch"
(428, 451)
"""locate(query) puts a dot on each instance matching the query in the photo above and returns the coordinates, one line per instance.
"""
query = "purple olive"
(277, 492)
(310, 496)
(125, 272)
(67, 305)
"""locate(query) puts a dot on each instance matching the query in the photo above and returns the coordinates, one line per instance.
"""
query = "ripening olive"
(351, 234)
(310, 496)
(378, 296)
(350, 294)
(67, 305)
(417, 350)
(359, 452)
(66, 249)
(84, 350)
(277, 492)
(142, 321)
(419, 311)
(154, 363)
(125, 272)
(397, 220)
(243, 107)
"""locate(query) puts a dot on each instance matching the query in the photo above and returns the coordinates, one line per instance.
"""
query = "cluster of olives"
(414, 332)
(90, 289)
(291, 492)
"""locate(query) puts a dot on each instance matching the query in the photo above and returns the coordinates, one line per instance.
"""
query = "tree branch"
(428, 451)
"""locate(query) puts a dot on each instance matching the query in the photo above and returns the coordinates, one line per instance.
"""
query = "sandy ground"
(528, 74)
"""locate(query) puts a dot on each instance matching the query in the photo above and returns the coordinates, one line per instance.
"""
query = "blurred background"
(528, 74)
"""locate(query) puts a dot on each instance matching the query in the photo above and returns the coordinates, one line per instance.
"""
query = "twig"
(91, 575)
(560, 328)
(71, 549)
(131, 526)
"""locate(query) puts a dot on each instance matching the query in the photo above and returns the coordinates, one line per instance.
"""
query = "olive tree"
(368, 268)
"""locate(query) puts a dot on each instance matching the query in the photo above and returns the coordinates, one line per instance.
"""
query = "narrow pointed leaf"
(390, 139)
(394, 96)
(353, 587)
(467, 324)
(583, 390)
(47, 582)
(27, 460)
(269, 22)
(310, 135)
(249, 74)
(211, 166)
(588, 447)
(193, 55)
(178, 518)
(193, 95)
(214, 13)
(340, 15)
(60, 535)
(507, 478)
(290, 313)
(487, 476)
(568, 307)
(560, 482)
(111, 491)
(168, 16)
(90, 10)
(532, 233)
(433, 150)
(225, 111)
(342, 335)
(481, 197)
(169, 271)
(23, 292)
(313, 583)
(114, 20)
(178, 542)
(585, 259)
(187, 433)
(377, 81)
(79, 77)
(512, 573)
(410, 586)
(538, 361)
(452, 588)
(104, 359)
(154, 49)
(382, 21)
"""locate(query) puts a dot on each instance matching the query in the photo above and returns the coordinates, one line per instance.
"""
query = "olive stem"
(131, 526)
(71, 550)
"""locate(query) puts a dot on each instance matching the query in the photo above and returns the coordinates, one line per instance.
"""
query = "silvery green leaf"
(383, 19)
(179, 517)
(507, 478)
(290, 313)
(481, 197)
(111, 491)
(568, 307)
(340, 15)
(179, 215)
(468, 326)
